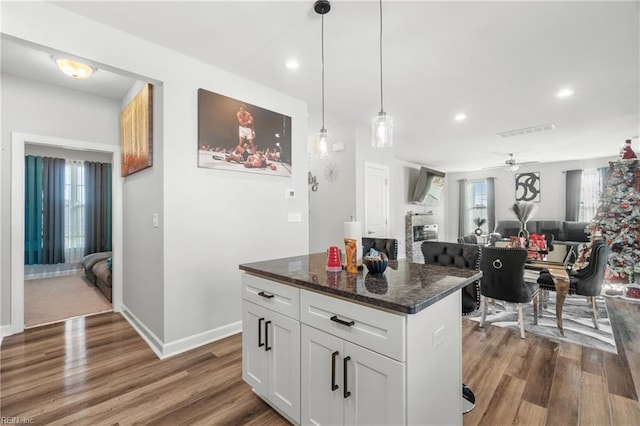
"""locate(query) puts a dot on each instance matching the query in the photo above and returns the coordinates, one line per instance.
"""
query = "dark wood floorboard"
(98, 371)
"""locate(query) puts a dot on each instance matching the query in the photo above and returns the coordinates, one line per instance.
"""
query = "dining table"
(560, 280)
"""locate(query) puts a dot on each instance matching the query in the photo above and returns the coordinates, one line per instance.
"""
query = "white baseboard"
(5, 330)
(182, 345)
(166, 350)
(149, 336)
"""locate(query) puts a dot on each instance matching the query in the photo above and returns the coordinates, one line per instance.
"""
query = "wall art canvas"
(528, 186)
(136, 132)
(238, 136)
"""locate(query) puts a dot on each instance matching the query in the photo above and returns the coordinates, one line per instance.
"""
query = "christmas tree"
(618, 217)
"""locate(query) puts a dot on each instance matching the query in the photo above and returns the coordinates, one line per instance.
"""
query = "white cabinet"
(343, 383)
(271, 349)
(323, 360)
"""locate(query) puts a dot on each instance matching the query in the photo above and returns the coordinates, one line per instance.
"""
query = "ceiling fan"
(511, 164)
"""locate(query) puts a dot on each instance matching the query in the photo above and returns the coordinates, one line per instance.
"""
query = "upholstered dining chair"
(468, 239)
(503, 279)
(586, 281)
(388, 246)
(461, 256)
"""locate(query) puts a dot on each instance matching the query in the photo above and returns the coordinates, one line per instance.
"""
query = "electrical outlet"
(438, 336)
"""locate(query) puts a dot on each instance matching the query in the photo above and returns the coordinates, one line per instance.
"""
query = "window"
(477, 202)
(74, 211)
(589, 194)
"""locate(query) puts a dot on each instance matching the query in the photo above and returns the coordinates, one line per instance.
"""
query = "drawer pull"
(334, 386)
(265, 295)
(260, 342)
(266, 336)
(346, 393)
(341, 321)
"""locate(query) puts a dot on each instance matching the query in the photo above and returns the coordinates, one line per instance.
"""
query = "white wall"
(212, 220)
(36, 108)
(334, 202)
(552, 190)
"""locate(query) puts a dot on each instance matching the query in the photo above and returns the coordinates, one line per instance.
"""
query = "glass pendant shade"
(382, 131)
(323, 144)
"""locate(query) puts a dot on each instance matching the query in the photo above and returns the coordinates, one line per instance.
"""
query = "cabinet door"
(321, 381)
(254, 356)
(377, 388)
(282, 340)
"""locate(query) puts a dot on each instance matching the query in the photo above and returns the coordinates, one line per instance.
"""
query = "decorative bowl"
(375, 265)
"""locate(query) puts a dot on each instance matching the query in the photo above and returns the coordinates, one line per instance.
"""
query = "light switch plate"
(155, 220)
(294, 217)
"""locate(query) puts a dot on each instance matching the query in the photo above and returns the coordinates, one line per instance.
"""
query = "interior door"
(376, 200)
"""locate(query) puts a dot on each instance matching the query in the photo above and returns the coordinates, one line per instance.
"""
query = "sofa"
(563, 231)
(97, 270)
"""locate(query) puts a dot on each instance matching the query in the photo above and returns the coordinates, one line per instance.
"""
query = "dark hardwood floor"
(98, 371)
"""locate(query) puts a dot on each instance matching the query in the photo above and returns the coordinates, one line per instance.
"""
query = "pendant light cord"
(381, 96)
(322, 52)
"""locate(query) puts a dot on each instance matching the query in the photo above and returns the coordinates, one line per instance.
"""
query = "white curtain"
(74, 211)
(589, 194)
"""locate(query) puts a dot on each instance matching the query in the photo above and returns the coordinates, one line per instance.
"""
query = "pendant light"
(382, 124)
(324, 147)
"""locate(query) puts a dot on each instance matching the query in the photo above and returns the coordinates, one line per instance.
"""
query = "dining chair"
(388, 246)
(586, 281)
(503, 279)
(468, 239)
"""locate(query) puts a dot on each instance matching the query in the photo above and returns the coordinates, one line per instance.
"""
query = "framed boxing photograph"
(238, 136)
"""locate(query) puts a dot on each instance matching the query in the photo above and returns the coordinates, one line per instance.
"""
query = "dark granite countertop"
(404, 287)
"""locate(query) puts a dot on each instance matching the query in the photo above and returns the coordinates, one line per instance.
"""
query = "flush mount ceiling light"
(74, 69)
(565, 93)
(323, 144)
(292, 64)
(460, 117)
(381, 124)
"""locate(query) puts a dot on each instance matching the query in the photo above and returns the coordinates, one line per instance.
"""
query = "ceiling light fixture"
(460, 117)
(565, 93)
(382, 124)
(74, 69)
(512, 164)
(323, 144)
(292, 64)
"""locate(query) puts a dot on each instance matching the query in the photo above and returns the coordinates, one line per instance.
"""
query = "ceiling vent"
(527, 130)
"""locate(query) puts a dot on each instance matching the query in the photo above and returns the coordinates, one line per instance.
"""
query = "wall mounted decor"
(235, 135)
(528, 187)
(136, 132)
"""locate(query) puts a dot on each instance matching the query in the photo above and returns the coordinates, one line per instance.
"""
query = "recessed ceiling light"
(460, 117)
(74, 69)
(565, 93)
(292, 64)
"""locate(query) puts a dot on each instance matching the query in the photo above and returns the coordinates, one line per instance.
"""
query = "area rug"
(576, 320)
(50, 300)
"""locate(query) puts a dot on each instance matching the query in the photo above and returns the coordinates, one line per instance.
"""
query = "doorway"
(18, 142)
(376, 200)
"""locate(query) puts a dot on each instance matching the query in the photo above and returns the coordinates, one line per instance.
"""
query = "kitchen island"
(339, 348)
